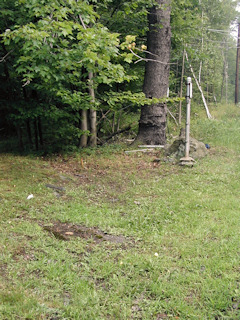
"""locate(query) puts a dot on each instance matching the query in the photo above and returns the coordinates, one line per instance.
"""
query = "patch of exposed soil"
(20, 253)
(87, 170)
(161, 316)
(104, 179)
(3, 270)
(68, 231)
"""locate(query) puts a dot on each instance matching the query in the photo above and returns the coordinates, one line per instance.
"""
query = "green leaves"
(58, 43)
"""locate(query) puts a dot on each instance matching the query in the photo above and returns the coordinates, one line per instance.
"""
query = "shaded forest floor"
(105, 235)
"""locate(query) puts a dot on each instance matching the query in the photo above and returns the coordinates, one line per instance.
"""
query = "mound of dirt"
(67, 231)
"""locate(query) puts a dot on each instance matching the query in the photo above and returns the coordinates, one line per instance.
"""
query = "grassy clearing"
(180, 254)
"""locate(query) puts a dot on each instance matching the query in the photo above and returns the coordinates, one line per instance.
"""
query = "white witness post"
(188, 111)
(187, 160)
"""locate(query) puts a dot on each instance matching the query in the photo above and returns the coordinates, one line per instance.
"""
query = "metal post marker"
(187, 160)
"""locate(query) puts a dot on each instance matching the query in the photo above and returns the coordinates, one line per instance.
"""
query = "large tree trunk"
(92, 114)
(84, 127)
(153, 120)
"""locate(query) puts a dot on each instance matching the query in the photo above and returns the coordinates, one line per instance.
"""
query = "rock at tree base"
(177, 149)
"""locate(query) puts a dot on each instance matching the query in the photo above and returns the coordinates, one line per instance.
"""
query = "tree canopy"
(73, 69)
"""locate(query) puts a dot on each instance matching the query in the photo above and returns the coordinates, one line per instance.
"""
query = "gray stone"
(197, 150)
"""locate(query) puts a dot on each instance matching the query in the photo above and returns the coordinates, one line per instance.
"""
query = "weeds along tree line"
(73, 73)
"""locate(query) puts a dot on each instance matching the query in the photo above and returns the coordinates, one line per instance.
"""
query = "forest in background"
(62, 62)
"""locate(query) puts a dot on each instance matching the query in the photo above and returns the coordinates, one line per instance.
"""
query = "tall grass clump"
(222, 131)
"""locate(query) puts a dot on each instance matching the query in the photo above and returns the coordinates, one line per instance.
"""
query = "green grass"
(180, 259)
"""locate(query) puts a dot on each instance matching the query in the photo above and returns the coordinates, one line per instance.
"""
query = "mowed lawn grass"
(115, 236)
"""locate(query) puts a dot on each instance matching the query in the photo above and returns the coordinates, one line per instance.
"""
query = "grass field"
(113, 236)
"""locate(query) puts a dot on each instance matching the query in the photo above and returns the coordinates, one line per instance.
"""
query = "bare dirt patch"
(87, 169)
(105, 178)
(68, 231)
(23, 253)
(3, 270)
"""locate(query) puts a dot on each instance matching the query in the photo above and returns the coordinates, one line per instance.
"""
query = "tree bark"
(84, 127)
(153, 120)
(93, 114)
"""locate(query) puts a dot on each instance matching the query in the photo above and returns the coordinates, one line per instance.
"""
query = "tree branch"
(82, 22)
(6, 55)
(172, 116)
(146, 60)
(26, 83)
(118, 132)
(199, 87)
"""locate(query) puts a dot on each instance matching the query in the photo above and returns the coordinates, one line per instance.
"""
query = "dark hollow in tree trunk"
(20, 138)
(153, 120)
(29, 132)
(40, 131)
(36, 134)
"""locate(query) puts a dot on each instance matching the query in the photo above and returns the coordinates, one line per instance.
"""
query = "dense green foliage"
(48, 50)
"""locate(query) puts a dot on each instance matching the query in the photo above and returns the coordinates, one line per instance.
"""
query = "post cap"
(189, 80)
